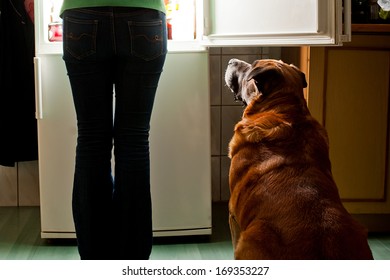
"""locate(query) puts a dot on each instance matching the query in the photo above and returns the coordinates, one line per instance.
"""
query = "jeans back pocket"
(80, 37)
(148, 40)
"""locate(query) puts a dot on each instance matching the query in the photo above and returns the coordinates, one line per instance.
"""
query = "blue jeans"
(109, 50)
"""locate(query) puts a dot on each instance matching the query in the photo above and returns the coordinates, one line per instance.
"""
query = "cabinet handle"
(38, 88)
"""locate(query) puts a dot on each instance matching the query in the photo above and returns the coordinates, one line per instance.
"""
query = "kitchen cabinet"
(349, 94)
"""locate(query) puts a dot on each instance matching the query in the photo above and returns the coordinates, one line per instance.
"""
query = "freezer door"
(276, 22)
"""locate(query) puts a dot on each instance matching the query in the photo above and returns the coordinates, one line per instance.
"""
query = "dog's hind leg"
(258, 242)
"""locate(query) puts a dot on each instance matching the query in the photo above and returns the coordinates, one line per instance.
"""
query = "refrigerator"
(180, 126)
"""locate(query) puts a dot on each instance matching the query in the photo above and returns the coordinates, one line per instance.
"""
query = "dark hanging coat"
(18, 126)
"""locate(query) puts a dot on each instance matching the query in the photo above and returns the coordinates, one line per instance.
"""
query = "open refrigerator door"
(197, 24)
(276, 23)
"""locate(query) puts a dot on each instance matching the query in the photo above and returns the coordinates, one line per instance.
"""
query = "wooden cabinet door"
(349, 94)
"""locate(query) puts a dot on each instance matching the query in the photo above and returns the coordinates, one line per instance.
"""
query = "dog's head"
(263, 77)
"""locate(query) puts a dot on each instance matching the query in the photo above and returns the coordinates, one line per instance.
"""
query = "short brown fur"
(284, 202)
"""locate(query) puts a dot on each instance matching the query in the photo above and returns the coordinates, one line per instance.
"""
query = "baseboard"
(374, 222)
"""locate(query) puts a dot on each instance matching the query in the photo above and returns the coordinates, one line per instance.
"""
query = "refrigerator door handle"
(38, 88)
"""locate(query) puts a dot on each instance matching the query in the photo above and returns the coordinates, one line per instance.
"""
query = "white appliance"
(180, 128)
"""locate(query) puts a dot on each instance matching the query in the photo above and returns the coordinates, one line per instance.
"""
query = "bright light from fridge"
(55, 7)
(55, 21)
(181, 19)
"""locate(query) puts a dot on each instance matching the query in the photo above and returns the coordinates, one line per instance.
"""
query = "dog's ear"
(266, 78)
(303, 77)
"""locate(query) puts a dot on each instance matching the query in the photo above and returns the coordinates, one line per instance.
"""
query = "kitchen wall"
(225, 113)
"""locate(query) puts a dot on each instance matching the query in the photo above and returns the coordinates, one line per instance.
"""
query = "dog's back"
(286, 201)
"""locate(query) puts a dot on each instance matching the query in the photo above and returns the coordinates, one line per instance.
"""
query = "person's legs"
(126, 47)
(88, 62)
(141, 48)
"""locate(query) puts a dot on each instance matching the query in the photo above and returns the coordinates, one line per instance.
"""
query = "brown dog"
(284, 202)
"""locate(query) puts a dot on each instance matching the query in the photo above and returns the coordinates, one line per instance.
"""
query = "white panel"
(180, 145)
(180, 148)
(57, 134)
(233, 17)
(273, 23)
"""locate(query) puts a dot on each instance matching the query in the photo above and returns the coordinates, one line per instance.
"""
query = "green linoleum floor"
(20, 239)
